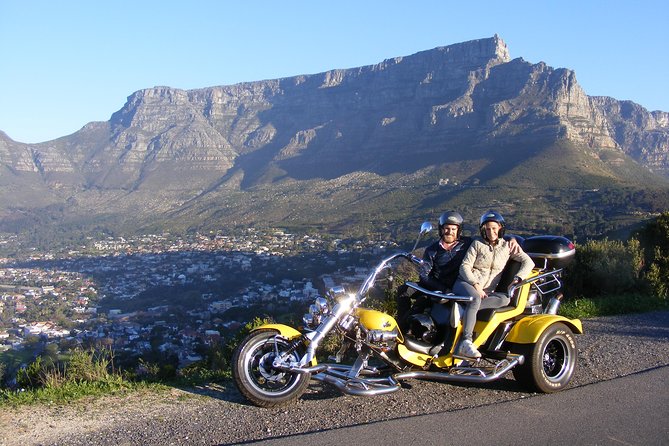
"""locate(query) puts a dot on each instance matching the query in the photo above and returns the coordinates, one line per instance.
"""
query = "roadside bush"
(32, 376)
(658, 277)
(654, 239)
(605, 267)
(89, 365)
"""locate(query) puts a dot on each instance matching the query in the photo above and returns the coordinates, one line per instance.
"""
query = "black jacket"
(444, 266)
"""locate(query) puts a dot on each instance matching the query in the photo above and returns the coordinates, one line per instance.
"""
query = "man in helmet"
(445, 255)
(480, 273)
(443, 259)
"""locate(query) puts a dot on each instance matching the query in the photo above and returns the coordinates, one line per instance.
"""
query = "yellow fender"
(528, 329)
(286, 331)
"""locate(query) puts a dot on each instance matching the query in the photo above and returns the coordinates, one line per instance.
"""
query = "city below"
(170, 296)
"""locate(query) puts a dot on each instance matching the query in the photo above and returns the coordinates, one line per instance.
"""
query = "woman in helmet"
(480, 273)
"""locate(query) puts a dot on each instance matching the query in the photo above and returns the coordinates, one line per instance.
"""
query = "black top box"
(549, 251)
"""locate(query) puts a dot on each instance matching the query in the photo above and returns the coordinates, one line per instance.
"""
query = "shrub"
(31, 376)
(82, 366)
(605, 267)
(658, 277)
(88, 365)
(613, 304)
(654, 238)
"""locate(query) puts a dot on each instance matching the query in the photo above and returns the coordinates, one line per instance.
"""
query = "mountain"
(459, 126)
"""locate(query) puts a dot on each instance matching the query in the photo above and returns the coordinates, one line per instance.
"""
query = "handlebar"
(371, 278)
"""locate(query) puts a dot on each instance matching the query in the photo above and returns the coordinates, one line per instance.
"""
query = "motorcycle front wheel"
(550, 363)
(254, 375)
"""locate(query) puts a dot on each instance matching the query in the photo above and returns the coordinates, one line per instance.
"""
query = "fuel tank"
(376, 320)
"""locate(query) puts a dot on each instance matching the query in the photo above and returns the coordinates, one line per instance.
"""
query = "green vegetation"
(611, 305)
(217, 363)
(615, 277)
(83, 374)
(655, 237)
(93, 373)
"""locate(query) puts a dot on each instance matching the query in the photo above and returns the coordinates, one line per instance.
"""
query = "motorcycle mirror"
(424, 229)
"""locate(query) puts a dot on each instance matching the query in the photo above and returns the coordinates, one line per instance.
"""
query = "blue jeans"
(494, 300)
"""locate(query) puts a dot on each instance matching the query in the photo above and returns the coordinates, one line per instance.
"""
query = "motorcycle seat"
(486, 314)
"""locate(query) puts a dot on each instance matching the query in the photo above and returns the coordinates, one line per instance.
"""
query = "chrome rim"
(260, 372)
(556, 360)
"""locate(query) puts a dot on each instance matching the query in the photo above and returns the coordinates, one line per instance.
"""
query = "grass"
(612, 305)
(73, 391)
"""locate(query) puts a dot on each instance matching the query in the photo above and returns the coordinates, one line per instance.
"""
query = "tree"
(654, 239)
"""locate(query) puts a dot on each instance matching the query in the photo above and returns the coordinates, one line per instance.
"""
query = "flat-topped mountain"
(400, 139)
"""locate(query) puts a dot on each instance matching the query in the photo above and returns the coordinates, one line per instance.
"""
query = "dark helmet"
(450, 218)
(491, 216)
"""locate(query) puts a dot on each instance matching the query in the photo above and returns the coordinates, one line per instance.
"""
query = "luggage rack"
(548, 282)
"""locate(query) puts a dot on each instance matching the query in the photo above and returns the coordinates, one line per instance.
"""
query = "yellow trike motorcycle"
(274, 364)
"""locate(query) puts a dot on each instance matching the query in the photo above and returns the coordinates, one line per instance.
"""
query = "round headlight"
(335, 292)
(308, 320)
(322, 305)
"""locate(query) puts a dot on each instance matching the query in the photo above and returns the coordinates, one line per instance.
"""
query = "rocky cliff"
(466, 110)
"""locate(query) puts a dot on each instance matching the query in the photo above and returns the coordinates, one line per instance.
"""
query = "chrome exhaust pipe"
(465, 374)
(360, 386)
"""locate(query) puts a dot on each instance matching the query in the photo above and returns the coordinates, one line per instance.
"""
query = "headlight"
(317, 310)
(322, 305)
(308, 320)
(335, 292)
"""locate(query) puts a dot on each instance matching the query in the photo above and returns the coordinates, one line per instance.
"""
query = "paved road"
(632, 410)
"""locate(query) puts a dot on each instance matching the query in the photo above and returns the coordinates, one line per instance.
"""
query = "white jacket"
(484, 263)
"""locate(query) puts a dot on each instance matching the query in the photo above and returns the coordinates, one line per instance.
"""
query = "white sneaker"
(467, 349)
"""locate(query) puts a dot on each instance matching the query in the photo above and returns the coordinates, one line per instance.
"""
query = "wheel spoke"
(257, 378)
(260, 371)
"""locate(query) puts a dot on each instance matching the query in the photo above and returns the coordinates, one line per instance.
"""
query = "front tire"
(550, 363)
(254, 376)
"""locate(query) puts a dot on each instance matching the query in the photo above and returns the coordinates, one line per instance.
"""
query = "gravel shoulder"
(611, 347)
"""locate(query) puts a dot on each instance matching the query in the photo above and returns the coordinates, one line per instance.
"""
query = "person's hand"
(514, 247)
(480, 290)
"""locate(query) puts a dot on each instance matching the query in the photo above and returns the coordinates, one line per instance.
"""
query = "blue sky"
(66, 63)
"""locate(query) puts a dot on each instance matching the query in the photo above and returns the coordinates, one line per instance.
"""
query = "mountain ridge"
(466, 112)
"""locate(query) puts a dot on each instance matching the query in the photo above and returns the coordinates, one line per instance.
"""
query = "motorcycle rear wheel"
(550, 363)
(254, 376)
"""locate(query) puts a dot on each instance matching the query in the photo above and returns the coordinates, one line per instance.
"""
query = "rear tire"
(254, 376)
(550, 363)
